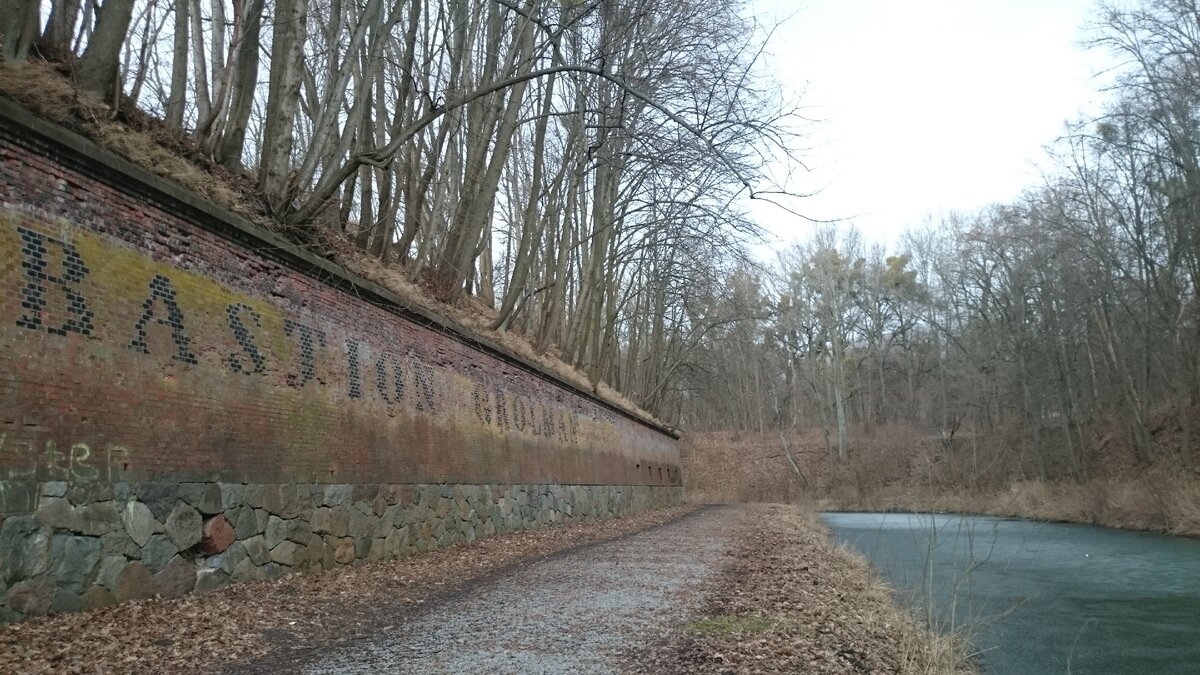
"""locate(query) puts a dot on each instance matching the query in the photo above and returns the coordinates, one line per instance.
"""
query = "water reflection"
(1043, 597)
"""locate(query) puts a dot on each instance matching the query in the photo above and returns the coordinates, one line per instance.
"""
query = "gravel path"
(569, 613)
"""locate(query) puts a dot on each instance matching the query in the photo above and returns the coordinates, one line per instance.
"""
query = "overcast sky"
(927, 105)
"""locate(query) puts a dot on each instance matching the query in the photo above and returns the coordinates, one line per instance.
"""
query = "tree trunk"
(283, 96)
(233, 140)
(98, 67)
(179, 64)
(60, 28)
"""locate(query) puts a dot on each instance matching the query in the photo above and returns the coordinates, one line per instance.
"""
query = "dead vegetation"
(213, 631)
(789, 601)
(899, 469)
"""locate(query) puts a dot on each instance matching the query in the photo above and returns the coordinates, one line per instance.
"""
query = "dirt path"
(576, 611)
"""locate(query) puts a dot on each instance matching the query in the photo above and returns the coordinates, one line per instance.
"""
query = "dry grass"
(788, 600)
(1167, 503)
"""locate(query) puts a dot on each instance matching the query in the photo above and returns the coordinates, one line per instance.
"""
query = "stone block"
(336, 495)
(120, 543)
(361, 524)
(178, 578)
(290, 553)
(110, 570)
(55, 488)
(377, 549)
(293, 529)
(204, 497)
(321, 520)
(57, 513)
(184, 526)
(140, 522)
(362, 546)
(339, 520)
(96, 596)
(24, 549)
(65, 600)
(363, 492)
(246, 570)
(82, 494)
(217, 535)
(286, 501)
(233, 495)
(344, 553)
(394, 517)
(73, 559)
(123, 492)
(233, 556)
(246, 522)
(134, 582)
(255, 495)
(210, 580)
(393, 543)
(328, 552)
(31, 596)
(159, 497)
(257, 550)
(158, 552)
(99, 518)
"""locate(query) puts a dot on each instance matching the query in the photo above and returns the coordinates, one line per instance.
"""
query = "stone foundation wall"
(90, 545)
(187, 399)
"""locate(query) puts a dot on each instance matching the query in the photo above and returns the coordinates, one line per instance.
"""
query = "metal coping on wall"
(80, 153)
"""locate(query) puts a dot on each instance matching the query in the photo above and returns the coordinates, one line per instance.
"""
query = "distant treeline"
(1066, 322)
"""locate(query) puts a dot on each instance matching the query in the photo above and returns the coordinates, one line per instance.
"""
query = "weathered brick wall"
(164, 364)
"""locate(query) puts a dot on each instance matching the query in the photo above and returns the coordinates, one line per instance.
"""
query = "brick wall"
(149, 339)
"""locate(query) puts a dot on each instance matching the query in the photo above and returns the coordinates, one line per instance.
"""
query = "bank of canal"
(1043, 597)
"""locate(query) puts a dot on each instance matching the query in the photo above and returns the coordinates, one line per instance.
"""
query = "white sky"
(926, 105)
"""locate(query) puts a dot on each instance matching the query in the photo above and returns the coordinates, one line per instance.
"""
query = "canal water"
(1042, 597)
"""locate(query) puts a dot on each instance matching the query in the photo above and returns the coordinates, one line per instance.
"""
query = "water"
(1043, 597)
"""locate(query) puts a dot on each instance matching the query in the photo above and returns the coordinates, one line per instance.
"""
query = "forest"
(578, 172)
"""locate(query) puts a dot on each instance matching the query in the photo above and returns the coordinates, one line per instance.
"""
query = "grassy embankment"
(789, 600)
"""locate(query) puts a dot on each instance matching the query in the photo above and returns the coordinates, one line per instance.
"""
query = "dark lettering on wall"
(244, 338)
(381, 378)
(483, 406)
(519, 413)
(34, 260)
(355, 374)
(501, 409)
(309, 338)
(161, 289)
(424, 377)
